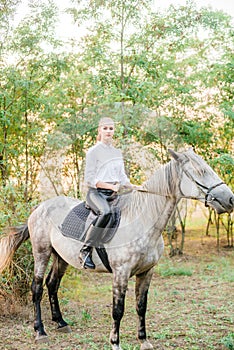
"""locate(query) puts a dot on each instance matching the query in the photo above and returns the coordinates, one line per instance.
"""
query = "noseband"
(208, 192)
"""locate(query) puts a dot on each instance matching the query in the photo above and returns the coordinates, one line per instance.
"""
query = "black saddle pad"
(74, 224)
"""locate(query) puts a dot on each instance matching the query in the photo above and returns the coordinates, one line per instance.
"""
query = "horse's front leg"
(120, 283)
(142, 286)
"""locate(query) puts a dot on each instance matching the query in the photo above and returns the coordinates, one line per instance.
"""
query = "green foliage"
(16, 281)
(224, 164)
(197, 133)
(13, 209)
(228, 341)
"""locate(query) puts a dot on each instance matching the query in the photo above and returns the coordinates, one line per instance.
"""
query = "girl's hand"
(134, 187)
(137, 187)
(115, 187)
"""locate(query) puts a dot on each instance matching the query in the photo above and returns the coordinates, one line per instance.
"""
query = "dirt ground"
(191, 306)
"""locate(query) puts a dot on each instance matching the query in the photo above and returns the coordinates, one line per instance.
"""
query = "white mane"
(157, 190)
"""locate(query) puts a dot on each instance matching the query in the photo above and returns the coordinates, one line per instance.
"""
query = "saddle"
(78, 220)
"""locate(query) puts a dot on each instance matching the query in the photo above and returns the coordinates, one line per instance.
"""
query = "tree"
(23, 96)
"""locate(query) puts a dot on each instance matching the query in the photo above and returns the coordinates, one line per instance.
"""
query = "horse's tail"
(10, 243)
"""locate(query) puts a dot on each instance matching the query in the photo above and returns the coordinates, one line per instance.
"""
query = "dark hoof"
(41, 338)
(64, 329)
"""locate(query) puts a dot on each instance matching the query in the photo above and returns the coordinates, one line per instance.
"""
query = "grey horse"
(134, 250)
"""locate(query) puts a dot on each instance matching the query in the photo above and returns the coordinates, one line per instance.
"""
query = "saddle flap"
(78, 220)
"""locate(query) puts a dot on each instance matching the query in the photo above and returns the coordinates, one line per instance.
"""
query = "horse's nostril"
(231, 200)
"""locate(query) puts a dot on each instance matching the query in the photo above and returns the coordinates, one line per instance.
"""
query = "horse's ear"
(174, 154)
(192, 149)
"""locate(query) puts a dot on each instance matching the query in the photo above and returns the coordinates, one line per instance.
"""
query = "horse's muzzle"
(223, 206)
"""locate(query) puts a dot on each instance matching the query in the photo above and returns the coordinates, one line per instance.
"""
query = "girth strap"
(104, 258)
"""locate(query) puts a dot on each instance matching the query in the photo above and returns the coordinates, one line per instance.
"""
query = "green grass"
(169, 267)
(228, 341)
(190, 307)
(219, 267)
(174, 271)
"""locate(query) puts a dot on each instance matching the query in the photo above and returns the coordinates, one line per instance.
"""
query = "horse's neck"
(162, 196)
(164, 182)
(153, 208)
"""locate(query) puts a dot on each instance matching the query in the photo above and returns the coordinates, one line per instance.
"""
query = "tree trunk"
(217, 224)
(209, 221)
(4, 152)
(176, 249)
(228, 228)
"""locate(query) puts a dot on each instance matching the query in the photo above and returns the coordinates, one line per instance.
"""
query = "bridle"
(206, 190)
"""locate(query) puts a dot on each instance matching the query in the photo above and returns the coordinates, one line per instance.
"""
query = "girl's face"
(106, 132)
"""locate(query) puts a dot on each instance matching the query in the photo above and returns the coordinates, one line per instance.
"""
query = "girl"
(104, 173)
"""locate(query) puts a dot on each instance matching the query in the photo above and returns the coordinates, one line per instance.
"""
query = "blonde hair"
(104, 121)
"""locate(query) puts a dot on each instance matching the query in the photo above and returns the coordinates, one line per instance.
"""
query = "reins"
(123, 192)
(206, 190)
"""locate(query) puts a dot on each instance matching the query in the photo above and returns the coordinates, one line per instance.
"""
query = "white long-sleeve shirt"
(104, 163)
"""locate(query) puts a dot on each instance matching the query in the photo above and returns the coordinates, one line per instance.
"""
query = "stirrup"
(86, 261)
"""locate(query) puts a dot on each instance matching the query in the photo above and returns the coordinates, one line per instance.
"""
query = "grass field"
(191, 306)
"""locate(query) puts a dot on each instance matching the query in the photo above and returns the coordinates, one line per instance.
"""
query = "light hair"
(104, 121)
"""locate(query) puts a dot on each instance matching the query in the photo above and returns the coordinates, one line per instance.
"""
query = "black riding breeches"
(97, 199)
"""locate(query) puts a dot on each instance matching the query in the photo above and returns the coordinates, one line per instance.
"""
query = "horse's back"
(54, 209)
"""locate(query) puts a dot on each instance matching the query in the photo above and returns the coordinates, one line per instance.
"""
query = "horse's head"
(199, 181)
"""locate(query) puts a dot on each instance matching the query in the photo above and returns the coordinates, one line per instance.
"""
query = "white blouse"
(104, 163)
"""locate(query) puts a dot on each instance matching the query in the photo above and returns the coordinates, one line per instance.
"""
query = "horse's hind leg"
(142, 286)
(41, 261)
(52, 282)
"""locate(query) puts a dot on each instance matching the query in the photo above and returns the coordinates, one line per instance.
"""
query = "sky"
(66, 29)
